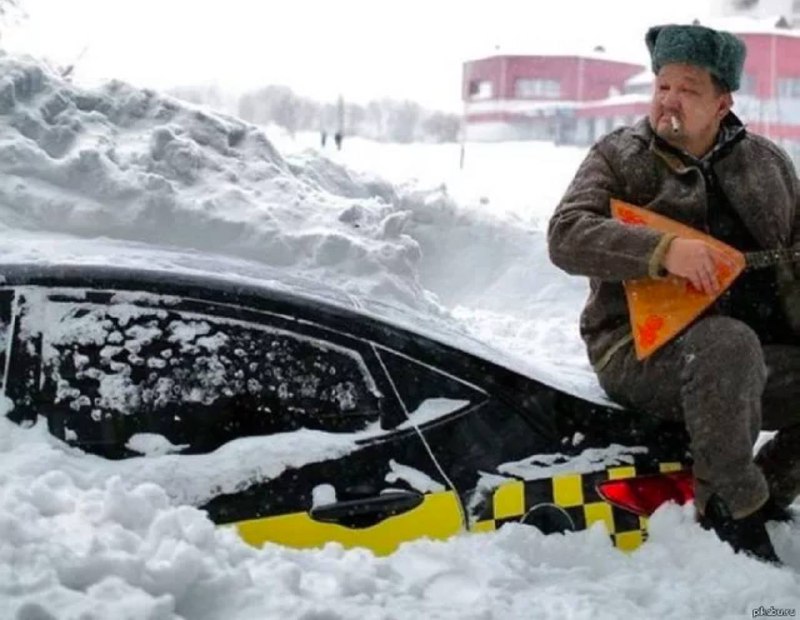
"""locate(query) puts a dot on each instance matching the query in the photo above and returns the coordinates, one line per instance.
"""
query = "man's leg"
(779, 458)
(712, 377)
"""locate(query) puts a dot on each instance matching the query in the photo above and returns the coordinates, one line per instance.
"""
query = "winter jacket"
(756, 178)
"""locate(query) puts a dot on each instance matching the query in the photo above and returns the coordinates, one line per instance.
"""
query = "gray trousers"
(726, 387)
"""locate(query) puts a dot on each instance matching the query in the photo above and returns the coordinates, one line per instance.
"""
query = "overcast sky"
(360, 48)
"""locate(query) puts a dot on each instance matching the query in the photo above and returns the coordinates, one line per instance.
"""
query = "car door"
(520, 451)
(473, 440)
(111, 369)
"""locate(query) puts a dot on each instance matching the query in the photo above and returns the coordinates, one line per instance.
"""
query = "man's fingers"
(723, 259)
(708, 282)
(713, 281)
(697, 282)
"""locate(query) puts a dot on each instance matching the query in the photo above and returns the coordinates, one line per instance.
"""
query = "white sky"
(360, 48)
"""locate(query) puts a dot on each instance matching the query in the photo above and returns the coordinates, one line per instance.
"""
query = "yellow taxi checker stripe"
(484, 526)
(628, 541)
(599, 511)
(509, 500)
(667, 467)
(617, 473)
(438, 517)
(568, 490)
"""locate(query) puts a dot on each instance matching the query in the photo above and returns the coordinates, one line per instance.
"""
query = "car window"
(113, 365)
(422, 387)
(475, 430)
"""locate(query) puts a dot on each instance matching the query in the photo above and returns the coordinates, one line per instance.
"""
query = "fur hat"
(719, 52)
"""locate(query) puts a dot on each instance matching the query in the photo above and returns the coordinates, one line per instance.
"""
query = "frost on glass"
(160, 365)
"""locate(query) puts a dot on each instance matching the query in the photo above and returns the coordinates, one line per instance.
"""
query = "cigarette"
(676, 124)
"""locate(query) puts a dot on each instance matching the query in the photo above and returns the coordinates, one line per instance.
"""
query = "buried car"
(301, 414)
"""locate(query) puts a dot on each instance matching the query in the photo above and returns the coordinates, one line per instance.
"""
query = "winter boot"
(775, 511)
(747, 534)
(779, 459)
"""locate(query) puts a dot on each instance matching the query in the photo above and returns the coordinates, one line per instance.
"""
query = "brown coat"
(757, 177)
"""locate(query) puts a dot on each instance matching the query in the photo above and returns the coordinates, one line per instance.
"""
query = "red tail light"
(643, 494)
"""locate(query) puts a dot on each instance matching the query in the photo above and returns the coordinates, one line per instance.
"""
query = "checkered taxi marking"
(577, 495)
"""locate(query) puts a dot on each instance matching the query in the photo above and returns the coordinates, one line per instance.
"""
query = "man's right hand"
(696, 261)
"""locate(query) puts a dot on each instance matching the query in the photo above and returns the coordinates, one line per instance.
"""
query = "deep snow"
(84, 538)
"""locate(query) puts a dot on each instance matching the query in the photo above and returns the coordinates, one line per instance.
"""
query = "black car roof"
(74, 263)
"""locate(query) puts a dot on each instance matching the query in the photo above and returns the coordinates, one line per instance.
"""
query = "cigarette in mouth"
(676, 124)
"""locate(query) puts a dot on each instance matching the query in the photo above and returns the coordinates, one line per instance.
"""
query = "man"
(735, 370)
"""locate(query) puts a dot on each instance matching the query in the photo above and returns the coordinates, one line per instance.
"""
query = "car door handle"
(359, 513)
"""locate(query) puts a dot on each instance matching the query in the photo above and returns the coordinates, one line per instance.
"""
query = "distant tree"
(280, 105)
(340, 126)
(376, 119)
(284, 108)
(386, 119)
(403, 120)
(355, 116)
(442, 127)
(247, 108)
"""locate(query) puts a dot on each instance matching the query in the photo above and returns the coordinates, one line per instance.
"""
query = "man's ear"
(725, 105)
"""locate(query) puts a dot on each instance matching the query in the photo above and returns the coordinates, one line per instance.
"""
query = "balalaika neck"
(768, 258)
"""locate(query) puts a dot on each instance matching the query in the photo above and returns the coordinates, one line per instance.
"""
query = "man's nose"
(669, 98)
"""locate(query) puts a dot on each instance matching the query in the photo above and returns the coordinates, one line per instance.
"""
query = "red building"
(575, 99)
(509, 97)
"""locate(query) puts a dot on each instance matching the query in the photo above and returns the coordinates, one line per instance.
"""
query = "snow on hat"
(719, 52)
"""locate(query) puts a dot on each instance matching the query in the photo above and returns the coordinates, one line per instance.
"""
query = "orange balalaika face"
(660, 309)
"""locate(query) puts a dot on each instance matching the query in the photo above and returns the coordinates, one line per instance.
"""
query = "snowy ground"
(465, 246)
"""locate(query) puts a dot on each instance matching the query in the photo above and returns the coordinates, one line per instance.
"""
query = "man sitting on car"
(735, 370)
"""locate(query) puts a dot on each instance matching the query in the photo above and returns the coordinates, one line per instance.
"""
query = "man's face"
(687, 94)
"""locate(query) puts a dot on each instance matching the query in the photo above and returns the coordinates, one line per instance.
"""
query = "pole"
(463, 132)
(772, 89)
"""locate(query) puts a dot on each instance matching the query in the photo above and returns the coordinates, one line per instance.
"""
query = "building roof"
(562, 50)
(645, 77)
(741, 24)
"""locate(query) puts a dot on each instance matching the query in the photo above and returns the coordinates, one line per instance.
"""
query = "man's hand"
(696, 261)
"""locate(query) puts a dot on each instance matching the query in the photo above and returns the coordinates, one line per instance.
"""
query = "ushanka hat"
(719, 52)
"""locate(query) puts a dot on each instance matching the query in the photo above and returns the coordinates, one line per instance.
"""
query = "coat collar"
(731, 130)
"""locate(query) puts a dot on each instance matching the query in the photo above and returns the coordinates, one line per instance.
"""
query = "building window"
(480, 89)
(789, 88)
(537, 88)
(639, 89)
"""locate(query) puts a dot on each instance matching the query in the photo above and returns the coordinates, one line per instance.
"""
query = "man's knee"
(724, 344)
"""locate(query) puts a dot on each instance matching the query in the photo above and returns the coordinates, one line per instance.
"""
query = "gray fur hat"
(719, 52)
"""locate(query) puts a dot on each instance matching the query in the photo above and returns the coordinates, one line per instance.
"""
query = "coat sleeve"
(583, 239)
(789, 275)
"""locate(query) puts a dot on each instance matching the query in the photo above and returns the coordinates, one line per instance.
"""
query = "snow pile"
(481, 234)
(115, 551)
(134, 164)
